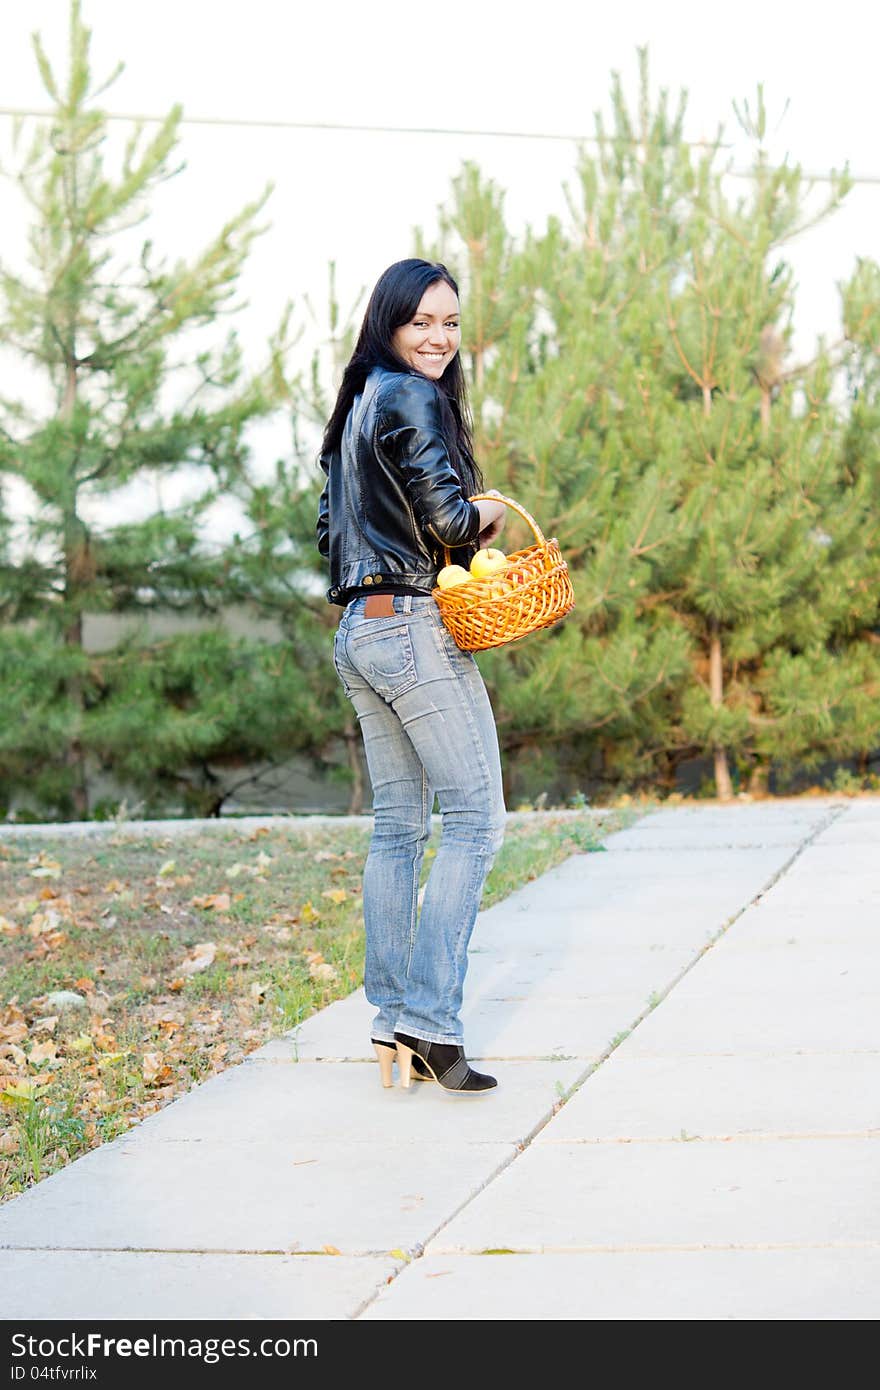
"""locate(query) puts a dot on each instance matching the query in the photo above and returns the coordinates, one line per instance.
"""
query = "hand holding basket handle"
(532, 592)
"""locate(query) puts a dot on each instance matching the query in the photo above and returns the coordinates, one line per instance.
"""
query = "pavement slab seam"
(832, 814)
(660, 1248)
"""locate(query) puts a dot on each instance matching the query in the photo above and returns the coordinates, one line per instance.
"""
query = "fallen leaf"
(155, 1069)
(332, 1250)
(219, 901)
(202, 956)
(309, 913)
(13, 1032)
(83, 1043)
(109, 1059)
(336, 895)
(45, 1025)
(43, 1052)
(167, 868)
(23, 1092)
(323, 971)
(8, 1142)
(102, 1037)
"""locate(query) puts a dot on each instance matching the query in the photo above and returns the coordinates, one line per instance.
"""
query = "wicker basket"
(537, 592)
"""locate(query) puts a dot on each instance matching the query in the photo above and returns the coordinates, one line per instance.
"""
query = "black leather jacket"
(392, 499)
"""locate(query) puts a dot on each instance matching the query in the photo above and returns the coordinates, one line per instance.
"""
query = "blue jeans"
(427, 727)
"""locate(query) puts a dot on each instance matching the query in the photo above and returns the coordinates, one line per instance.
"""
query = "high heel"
(386, 1053)
(446, 1062)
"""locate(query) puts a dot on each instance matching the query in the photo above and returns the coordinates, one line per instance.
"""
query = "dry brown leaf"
(8, 928)
(45, 1025)
(84, 983)
(332, 1250)
(152, 1067)
(202, 956)
(323, 971)
(13, 1032)
(8, 1142)
(42, 865)
(43, 1052)
(103, 1036)
(221, 902)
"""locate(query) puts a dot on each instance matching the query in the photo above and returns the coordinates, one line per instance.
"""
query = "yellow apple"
(488, 562)
(451, 575)
(500, 587)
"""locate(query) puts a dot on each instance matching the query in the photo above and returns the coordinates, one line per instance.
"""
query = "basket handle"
(509, 502)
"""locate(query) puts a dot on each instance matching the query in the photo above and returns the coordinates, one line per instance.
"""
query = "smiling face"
(431, 338)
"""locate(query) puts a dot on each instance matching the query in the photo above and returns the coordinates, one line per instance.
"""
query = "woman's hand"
(491, 532)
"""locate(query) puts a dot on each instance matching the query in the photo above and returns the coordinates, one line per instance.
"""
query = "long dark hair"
(394, 301)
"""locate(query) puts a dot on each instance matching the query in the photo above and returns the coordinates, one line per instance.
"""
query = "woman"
(398, 458)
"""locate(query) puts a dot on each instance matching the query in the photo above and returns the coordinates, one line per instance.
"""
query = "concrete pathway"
(687, 1126)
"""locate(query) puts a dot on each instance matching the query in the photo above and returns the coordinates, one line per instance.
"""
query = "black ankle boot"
(446, 1062)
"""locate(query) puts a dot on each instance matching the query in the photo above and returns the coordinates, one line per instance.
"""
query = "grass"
(186, 952)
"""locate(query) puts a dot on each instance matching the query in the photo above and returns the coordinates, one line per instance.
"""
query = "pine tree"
(761, 569)
(111, 332)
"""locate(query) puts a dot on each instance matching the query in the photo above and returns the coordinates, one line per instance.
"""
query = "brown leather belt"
(379, 606)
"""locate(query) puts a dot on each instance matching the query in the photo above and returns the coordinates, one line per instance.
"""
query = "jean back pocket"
(384, 656)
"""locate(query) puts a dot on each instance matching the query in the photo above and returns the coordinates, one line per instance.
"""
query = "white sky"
(486, 65)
